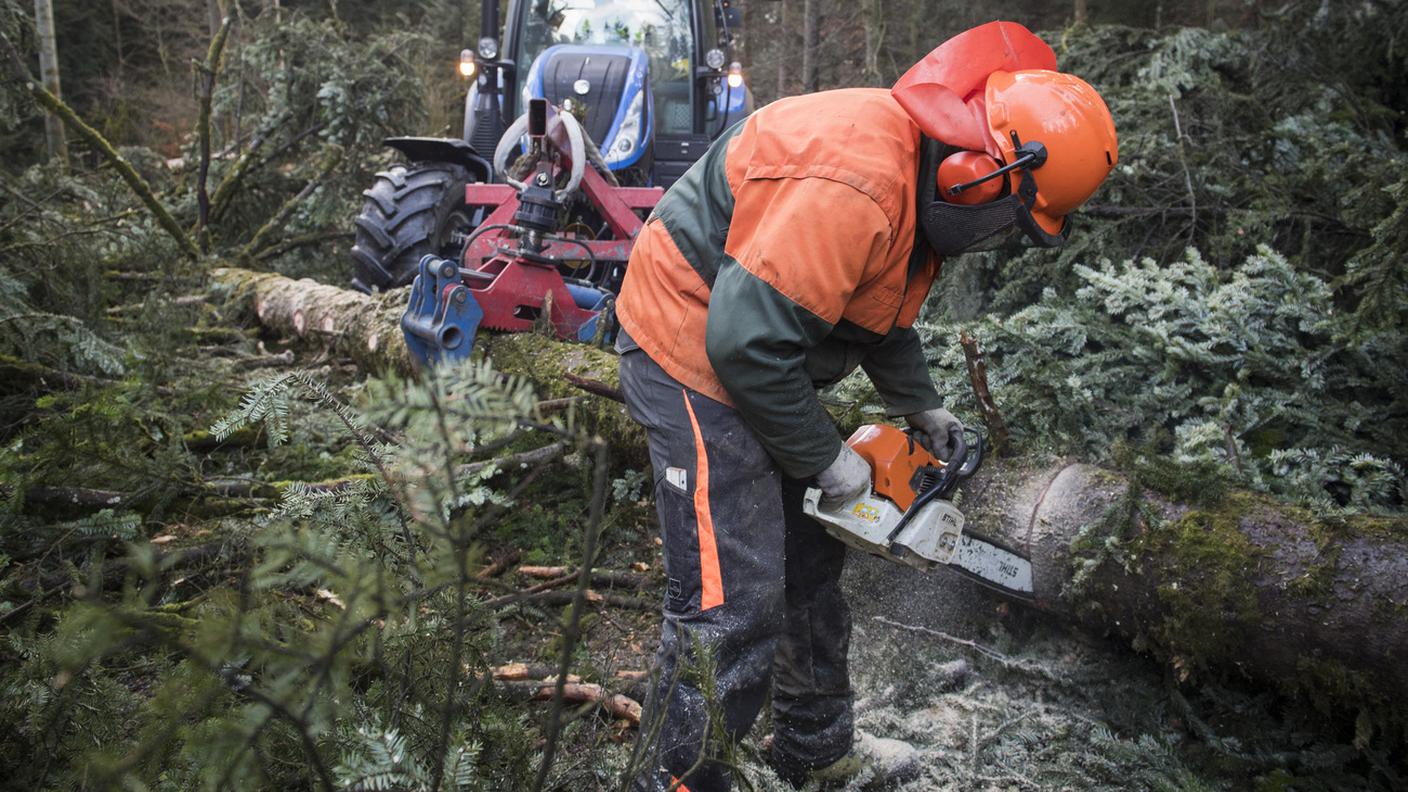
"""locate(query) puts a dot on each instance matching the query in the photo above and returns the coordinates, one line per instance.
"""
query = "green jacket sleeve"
(756, 340)
(797, 248)
(900, 373)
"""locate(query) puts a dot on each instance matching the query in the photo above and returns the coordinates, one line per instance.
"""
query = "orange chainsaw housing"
(894, 458)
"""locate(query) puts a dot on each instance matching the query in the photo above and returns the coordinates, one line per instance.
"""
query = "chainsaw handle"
(972, 454)
(963, 462)
(959, 454)
(960, 444)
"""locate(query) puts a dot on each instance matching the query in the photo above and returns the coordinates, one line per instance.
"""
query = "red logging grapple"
(544, 253)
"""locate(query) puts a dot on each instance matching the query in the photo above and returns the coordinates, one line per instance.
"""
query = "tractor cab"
(649, 78)
(651, 81)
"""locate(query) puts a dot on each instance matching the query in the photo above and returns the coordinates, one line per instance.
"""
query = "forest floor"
(992, 697)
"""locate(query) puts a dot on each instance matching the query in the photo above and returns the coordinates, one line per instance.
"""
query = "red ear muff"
(966, 167)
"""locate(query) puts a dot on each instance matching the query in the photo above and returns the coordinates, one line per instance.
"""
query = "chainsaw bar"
(992, 564)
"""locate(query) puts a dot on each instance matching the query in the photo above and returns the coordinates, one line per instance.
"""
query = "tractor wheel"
(411, 210)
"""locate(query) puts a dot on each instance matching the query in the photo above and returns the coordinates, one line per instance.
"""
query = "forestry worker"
(801, 246)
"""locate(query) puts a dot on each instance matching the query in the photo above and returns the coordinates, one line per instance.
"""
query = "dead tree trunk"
(368, 330)
(54, 141)
(811, 23)
(1245, 586)
(874, 21)
(215, 16)
(783, 38)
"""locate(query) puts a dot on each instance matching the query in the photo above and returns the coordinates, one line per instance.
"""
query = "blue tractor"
(651, 80)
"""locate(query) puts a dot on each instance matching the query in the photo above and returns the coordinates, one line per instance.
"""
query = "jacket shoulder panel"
(860, 137)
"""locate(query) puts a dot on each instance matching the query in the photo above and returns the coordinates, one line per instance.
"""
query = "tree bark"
(811, 23)
(783, 56)
(54, 142)
(364, 328)
(1082, 12)
(368, 330)
(874, 20)
(209, 73)
(214, 16)
(1245, 586)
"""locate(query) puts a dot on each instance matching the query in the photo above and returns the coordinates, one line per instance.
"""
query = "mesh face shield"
(955, 228)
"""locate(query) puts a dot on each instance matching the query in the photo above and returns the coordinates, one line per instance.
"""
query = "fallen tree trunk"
(1245, 585)
(363, 327)
(368, 329)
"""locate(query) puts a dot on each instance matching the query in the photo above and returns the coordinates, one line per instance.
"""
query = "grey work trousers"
(752, 601)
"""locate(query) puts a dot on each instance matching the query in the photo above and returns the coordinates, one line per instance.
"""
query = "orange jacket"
(782, 260)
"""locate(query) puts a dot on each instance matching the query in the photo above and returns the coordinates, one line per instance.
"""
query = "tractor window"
(663, 28)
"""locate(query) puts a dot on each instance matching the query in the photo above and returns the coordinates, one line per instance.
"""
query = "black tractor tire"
(412, 210)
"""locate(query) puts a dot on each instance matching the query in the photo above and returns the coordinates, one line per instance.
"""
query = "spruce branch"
(572, 629)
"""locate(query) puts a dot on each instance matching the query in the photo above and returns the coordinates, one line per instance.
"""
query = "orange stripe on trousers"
(710, 577)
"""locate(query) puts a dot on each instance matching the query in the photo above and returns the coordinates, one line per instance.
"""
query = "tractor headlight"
(466, 64)
(488, 48)
(628, 136)
(714, 59)
(735, 75)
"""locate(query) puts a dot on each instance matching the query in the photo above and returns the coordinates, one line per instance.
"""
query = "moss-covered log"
(368, 330)
(552, 364)
(1245, 585)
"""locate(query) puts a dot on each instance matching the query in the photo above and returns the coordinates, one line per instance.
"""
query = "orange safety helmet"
(1068, 117)
(993, 98)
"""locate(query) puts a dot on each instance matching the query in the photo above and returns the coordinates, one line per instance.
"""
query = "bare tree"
(782, 55)
(212, 10)
(811, 14)
(874, 21)
(1082, 12)
(55, 143)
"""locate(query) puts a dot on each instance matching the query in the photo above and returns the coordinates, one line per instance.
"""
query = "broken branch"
(978, 377)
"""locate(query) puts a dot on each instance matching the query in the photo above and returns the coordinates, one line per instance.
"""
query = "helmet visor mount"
(953, 228)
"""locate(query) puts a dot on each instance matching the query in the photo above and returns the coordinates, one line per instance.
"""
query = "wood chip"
(326, 595)
(511, 672)
(543, 572)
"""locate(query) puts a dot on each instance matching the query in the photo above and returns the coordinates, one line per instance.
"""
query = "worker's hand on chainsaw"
(846, 478)
(938, 431)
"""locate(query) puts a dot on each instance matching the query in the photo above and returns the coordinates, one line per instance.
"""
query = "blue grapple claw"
(442, 316)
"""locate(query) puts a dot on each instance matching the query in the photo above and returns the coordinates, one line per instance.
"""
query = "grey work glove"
(846, 478)
(937, 430)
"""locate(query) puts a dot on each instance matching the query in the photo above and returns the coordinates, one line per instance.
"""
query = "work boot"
(876, 762)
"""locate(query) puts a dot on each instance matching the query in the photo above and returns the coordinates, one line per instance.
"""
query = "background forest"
(228, 561)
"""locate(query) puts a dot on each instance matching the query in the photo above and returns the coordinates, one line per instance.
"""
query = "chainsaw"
(908, 515)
